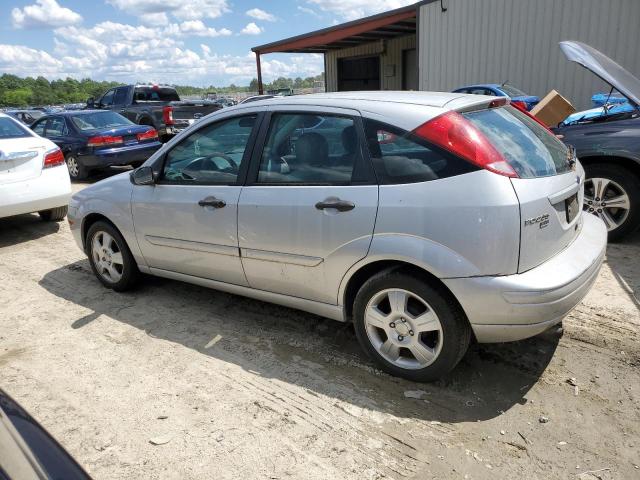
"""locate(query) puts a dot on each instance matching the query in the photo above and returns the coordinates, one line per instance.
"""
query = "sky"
(185, 42)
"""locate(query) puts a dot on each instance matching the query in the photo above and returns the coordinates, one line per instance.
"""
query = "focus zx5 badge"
(542, 221)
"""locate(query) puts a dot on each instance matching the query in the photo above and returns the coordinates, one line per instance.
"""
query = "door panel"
(289, 246)
(187, 223)
(175, 233)
(310, 213)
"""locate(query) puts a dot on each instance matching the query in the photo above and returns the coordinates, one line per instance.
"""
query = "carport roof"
(394, 23)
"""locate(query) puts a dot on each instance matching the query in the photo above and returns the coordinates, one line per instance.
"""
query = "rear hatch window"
(527, 146)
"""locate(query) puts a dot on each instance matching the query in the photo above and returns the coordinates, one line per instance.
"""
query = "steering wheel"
(224, 156)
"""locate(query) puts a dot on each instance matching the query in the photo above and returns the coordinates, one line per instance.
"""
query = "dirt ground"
(231, 388)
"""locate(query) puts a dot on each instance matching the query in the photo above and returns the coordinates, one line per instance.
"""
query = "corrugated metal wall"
(390, 54)
(490, 41)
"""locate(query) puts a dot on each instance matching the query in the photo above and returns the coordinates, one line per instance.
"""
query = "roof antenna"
(504, 83)
(442, 7)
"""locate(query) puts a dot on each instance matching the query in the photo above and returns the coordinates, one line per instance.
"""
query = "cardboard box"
(552, 109)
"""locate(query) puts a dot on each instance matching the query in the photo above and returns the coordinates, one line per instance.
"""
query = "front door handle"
(333, 202)
(212, 202)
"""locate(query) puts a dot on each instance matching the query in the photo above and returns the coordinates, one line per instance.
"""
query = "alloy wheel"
(608, 200)
(403, 328)
(72, 165)
(107, 257)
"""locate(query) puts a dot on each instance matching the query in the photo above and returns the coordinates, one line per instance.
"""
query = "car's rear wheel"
(110, 257)
(409, 327)
(613, 193)
(77, 171)
(54, 215)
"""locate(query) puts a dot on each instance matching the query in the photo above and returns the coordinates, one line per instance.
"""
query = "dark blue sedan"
(97, 139)
(502, 90)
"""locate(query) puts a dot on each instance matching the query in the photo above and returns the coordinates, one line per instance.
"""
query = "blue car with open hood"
(96, 139)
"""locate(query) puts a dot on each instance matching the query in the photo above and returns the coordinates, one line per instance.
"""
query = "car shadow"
(321, 355)
(622, 258)
(24, 228)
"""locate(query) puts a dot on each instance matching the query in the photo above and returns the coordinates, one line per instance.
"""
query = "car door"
(58, 132)
(120, 98)
(106, 101)
(187, 221)
(308, 210)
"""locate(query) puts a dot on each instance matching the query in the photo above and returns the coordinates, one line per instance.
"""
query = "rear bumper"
(51, 189)
(120, 155)
(514, 307)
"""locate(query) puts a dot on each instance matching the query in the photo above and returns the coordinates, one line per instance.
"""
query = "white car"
(33, 174)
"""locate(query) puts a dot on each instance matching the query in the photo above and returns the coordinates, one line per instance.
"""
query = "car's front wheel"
(410, 328)
(110, 257)
(77, 171)
(613, 193)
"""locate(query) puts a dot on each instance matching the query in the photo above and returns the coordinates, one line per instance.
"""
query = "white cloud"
(155, 19)
(261, 15)
(251, 29)
(44, 14)
(131, 53)
(180, 9)
(354, 9)
(309, 11)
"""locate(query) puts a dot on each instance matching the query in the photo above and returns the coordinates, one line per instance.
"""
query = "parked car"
(27, 117)
(93, 140)
(158, 106)
(32, 173)
(432, 219)
(518, 97)
(608, 146)
(27, 450)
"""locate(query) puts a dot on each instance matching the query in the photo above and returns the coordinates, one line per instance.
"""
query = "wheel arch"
(631, 164)
(91, 219)
(359, 276)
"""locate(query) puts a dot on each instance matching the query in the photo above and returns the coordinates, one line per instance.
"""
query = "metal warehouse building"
(444, 44)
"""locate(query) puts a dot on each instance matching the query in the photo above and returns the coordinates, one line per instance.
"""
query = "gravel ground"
(177, 381)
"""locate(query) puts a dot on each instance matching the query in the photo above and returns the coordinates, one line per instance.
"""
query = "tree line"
(29, 91)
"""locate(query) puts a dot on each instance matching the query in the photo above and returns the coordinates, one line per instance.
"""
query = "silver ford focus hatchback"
(427, 219)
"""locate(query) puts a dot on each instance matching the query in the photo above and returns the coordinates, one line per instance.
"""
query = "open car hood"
(605, 68)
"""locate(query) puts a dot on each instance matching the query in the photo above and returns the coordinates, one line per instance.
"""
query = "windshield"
(99, 120)
(156, 94)
(12, 129)
(527, 146)
(512, 91)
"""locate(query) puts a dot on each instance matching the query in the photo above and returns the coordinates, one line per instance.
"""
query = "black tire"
(129, 274)
(77, 171)
(54, 215)
(456, 332)
(628, 182)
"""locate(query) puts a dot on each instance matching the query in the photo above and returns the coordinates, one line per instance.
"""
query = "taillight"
(103, 140)
(167, 115)
(53, 158)
(148, 135)
(457, 135)
(519, 104)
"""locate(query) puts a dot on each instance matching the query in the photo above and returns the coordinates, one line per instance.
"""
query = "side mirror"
(143, 176)
(91, 102)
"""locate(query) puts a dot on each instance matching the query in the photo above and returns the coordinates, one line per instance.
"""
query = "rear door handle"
(212, 202)
(333, 202)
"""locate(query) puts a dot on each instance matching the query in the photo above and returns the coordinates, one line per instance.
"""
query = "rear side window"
(12, 129)
(400, 156)
(156, 94)
(309, 148)
(530, 149)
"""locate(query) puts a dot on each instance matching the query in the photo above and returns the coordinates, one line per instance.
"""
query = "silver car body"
(476, 232)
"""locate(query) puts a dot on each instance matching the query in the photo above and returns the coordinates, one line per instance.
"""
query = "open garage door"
(361, 73)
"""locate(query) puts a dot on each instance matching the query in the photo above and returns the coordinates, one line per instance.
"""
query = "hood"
(605, 68)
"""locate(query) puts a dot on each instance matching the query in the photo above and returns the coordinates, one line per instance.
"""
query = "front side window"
(120, 97)
(210, 155)
(308, 148)
(402, 157)
(107, 99)
(56, 127)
